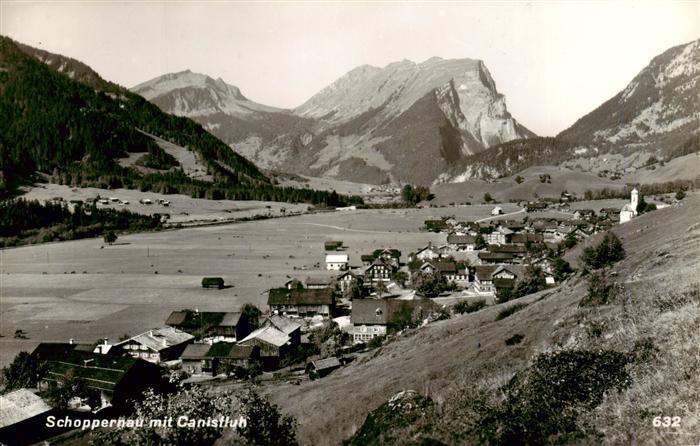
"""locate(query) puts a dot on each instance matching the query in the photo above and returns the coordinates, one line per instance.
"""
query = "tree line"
(75, 134)
(22, 220)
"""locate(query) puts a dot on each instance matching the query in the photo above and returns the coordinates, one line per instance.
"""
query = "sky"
(554, 61)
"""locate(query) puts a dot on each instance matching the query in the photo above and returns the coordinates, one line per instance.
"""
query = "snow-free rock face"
(405, 122)
(465, 91)
(193, 94)
(658, 111)
(261, 133)
(656, 114)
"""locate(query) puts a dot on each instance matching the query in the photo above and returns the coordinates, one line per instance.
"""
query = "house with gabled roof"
(381, 270)
(346, 279)
(337, 262)
(448, 270)
(513, 225)
(536, 206)
(488, 278)
(333, 245)
(301, 302)
(461, 242)
(495, 257)
(392, 256)
(274, 344)
(118, 379)
(319, 283)
(524, 238)
(500, 236)
(157, 345)
(286, 325)
(429, 252)
(214, 359)
(515, 250)
(323, 367)
(375, 317)
(216, 326)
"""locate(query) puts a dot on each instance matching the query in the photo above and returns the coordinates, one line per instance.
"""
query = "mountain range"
(407, 122)
(436, 121)
(60, 121)
(657, 115)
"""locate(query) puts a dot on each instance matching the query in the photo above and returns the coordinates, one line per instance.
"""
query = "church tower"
(635, 199)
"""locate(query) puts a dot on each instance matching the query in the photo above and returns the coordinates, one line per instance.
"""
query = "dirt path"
(340, 228)
(500, 216)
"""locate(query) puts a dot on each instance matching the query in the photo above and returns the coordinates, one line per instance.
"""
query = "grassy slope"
(505, 189)
(442, 358)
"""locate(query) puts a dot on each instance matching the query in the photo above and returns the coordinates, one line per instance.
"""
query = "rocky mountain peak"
(187, 93)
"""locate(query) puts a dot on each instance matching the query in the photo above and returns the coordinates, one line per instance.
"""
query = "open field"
(78, 289)
(182, 209)
(507, 189)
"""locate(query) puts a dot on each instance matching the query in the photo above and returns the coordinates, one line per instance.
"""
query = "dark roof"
(544, 224)
(461, 239)
(524, 238)
(443, 267)
(370, 311)
(327, 281)
(507, 248)
(503, 283)
(484, 272)
(195, 351)
(49, 351)
(99, 371)
(379, 261)
(512, 224)
(218, 350)
(395, 253)
(188, 319)
(332, 245)
(367, 257)
(177, 318)
(229, 350)
(495, 256)
(347, 273)
(284, 296)
(325, 364)
(381, 311)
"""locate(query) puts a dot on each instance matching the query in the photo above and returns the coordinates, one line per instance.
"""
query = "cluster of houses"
(198, 342)
(477, 259)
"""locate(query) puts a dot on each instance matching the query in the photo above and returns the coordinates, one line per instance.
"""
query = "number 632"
(666, 422)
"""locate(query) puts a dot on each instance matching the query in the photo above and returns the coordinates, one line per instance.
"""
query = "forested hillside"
(74, 133)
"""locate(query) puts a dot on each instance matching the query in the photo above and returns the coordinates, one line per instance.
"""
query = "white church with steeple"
(629, 211)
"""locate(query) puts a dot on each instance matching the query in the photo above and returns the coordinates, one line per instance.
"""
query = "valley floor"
(86, 290)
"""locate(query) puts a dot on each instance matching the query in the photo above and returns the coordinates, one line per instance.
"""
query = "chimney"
(165, 342)
(104, 341)
(150, 332)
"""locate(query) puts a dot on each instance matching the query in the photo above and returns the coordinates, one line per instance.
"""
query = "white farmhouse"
(629, 211)
(497, 210)
(337, 262)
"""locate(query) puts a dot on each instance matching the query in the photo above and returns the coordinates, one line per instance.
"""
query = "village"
(316, 324)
